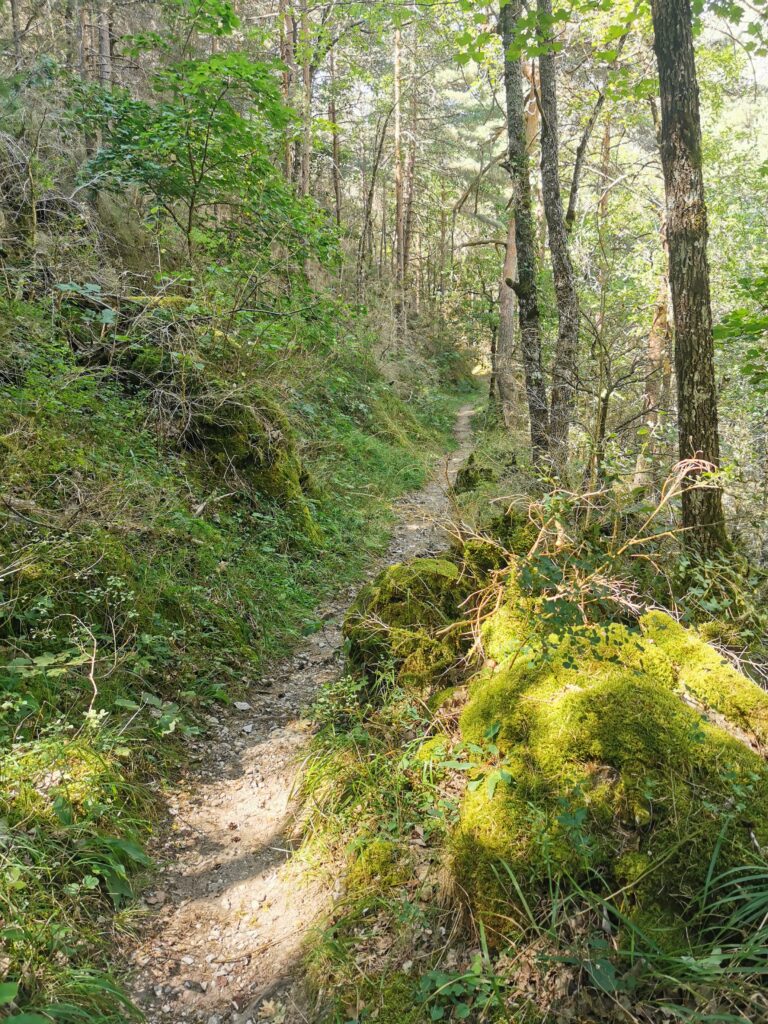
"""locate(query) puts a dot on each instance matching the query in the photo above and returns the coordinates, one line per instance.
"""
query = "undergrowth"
(575, 829)
(149, 569)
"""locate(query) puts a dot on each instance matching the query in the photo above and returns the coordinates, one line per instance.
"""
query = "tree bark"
(335, 156)
(399, 191)
(365, 244)
(306, 101)
(657, 361)
(105, 46)
(564, 368)
(525, 283)
(16, 32)
(288, 57)
(504, 350)
(702, 513)
(410, 181)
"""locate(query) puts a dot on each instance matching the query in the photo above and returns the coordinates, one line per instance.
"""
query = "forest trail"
(229, 912)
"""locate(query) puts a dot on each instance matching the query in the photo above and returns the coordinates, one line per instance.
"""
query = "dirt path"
(230, 913)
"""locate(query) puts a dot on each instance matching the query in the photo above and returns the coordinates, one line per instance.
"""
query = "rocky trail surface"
(229, 913)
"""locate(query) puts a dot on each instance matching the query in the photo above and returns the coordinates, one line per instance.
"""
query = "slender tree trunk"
(399, 192)
(564, 367)
(657, 361)
(16, 31)
(105, 46)
(383, 236)
(366, 237)
(525, 284)
(306, 101)
(703, 517)
(288, 57)
(604, 389)
(335, 157)
(503, 363)
(410, 182)
(442, 252)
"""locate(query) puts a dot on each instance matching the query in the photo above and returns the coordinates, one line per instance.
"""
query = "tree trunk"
(16, 31)
(335, 157)
(503, 357)
(288, 57)
(657, 359)
(365, 245)
(525, 284)
(399, 192)
(306, 101)
(410, 183)
(566, 352)
(105, 46)
(703, 517)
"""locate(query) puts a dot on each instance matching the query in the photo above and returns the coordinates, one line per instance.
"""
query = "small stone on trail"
(242, 705)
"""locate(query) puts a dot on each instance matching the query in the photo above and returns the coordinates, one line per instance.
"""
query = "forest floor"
(230, 911)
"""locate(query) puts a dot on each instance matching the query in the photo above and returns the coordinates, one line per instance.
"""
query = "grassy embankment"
(178, 495)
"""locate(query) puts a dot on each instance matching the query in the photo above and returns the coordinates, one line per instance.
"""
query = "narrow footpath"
(229, 913)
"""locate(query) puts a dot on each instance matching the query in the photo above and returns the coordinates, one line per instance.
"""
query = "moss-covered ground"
(575, 825)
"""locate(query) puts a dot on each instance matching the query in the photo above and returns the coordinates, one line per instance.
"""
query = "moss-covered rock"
(617, 783)
(707, 676)
(514, 530)
(244, 433)
(407, 619)
(472, 474)
(248, 434)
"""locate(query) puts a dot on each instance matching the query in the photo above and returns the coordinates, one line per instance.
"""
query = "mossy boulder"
(514, 530)
(708, 677)
(616, 782)
(472, 474)
(243, 433)
(246, 434)
(409, 619)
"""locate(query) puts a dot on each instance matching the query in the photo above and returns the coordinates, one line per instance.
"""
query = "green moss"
(435, 748)
(378, 865)
(472, 474)
(514, 530)
(248, 435)
(707, 676)
(395, 1000)
(615, 779)
(481, 557)
(406, 618)
(512, 630)
(437, 700)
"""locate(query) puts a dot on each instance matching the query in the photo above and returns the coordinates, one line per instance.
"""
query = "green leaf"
(8, 992)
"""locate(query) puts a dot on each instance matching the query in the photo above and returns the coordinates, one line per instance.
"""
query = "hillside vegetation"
(255, 256)
(576, 826)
